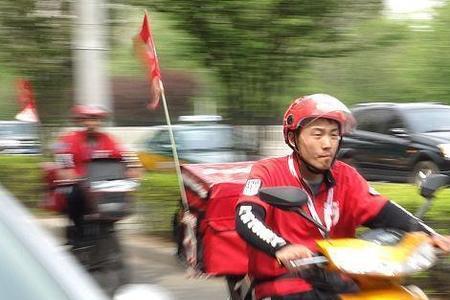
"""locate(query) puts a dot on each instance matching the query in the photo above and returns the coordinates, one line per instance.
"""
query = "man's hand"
(442, 242)
(292, 252)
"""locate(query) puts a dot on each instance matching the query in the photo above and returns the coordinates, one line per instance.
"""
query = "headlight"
(445, 150)
(375, 261)
(423, 258)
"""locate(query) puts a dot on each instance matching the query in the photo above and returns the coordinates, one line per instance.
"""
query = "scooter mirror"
(284, 197)
(432, 183)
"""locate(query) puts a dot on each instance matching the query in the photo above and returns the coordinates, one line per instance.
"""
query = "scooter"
(109, 198)
(378, 261)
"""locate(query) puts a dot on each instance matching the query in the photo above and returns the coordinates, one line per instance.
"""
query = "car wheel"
(422, 170)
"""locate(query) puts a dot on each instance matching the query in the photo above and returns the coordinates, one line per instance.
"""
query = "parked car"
(401, 142)
(34, 266)
(197, 142)
(18, 137)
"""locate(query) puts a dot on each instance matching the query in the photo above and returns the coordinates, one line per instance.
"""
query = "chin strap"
(310, 167)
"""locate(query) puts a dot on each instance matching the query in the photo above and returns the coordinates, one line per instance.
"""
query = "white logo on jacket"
(252, 187)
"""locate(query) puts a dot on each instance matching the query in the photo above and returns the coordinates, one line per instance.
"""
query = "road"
(151, 260)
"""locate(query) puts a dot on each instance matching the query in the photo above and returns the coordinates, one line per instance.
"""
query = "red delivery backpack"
(212, 192)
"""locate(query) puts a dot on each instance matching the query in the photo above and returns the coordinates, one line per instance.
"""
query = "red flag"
(145, 47)
(27, 102)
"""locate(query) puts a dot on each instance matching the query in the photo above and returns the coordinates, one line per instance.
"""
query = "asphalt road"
(151, 260)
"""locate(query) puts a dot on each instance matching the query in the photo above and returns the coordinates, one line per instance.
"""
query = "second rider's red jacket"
(73, 150)
(353, 203)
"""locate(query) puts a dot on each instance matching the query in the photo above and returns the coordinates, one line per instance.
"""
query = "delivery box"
(212, 192)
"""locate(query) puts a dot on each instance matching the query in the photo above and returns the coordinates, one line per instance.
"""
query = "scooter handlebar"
(303, 262)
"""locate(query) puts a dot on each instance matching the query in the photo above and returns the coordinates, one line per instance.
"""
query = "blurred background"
(243, 60)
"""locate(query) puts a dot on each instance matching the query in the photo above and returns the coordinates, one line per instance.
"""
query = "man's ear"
(291, 139)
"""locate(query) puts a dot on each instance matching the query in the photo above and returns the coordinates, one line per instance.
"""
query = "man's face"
(91, 124)
(318, 142)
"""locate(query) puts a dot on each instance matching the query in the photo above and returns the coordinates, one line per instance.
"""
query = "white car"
(34, 266)
(18, 137)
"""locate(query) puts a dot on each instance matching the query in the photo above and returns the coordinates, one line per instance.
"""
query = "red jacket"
(354, 203)
(73, 150)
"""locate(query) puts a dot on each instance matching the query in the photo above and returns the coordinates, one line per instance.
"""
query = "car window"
(370, 120)
(392, 119)
(21, 275)
(428, 119)
(205, 138)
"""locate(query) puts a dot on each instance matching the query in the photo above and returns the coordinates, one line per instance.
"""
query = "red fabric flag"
(27, 102)
(145, 47)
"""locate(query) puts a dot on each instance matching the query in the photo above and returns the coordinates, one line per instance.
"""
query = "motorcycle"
(109, 198)
(377, 262)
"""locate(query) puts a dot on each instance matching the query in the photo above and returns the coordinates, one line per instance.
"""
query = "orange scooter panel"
(392, 293)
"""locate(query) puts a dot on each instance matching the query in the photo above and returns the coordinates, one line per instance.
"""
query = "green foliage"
(388, 70)
(37, 47)
(253, 56)
(8, 104)
(175, 50)
(22, 176)
(256, 48)
(436, 52)
(408, 196)
(410, 63)
(158, 199)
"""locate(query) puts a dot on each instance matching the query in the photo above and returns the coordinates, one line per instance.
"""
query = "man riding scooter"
(339, 199)
(98, 179)
(76, 149)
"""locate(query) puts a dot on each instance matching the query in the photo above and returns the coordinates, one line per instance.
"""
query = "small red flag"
(145, 47)
(27, 102)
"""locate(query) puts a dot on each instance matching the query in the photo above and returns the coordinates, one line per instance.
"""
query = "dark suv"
(401, 142)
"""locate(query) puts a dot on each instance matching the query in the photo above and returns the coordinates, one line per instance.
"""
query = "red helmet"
(89, 111)
(317, 106)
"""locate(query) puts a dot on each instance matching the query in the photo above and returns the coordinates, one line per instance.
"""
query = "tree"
(35, 43)
(258, 47)
(436, 46)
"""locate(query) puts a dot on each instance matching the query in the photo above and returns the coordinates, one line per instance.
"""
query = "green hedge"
(158, 197)
(157, 200)
(408, 196)
(22, 176)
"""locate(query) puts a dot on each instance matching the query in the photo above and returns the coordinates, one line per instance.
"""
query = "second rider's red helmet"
(314, 107)
(82, 111)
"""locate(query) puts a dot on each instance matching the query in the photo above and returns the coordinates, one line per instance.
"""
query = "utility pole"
(91, 81)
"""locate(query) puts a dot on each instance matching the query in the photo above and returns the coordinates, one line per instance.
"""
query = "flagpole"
(190, 222)
(174, 150)
(172, 139)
